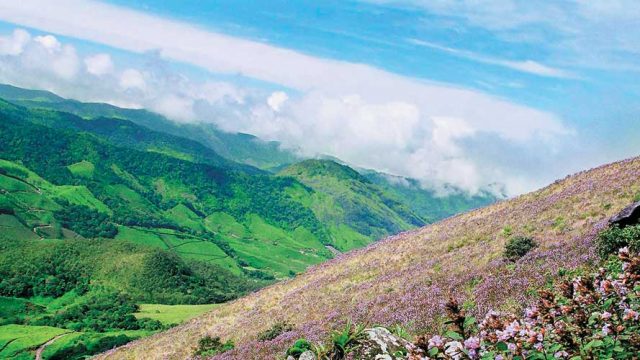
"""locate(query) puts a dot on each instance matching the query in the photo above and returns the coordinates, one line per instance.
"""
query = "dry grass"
(406, 278)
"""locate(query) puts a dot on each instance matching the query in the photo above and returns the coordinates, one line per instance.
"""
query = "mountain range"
(111, 207)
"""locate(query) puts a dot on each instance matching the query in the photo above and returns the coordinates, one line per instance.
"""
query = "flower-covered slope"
(407, 279)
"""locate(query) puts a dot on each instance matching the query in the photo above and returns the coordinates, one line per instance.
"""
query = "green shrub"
(342, 342)
(86, 221)
(299, 347)
(614, 238)
(209, 346)
(275, 331)
(89, 345)
(518, 247)
(100, 311)
(345, 341)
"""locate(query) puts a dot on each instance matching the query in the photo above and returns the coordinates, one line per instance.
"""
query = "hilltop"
(406, 279)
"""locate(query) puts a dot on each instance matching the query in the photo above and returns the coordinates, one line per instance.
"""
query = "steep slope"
(242, 148)
(406, 278)
(357, 211)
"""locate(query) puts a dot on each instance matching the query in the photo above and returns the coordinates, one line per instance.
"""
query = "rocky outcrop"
(381, 344)
(628, 216)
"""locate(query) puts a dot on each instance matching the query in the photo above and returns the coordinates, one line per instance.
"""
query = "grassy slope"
(357, 211)
(406, 278)
(16, 339)
(242, 148)
(172, 314)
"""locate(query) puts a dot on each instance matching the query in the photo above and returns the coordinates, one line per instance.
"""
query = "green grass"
(83, 168)
(134, 200)
(346, 238)
(61, 343)
(186, 246)
(11, 229)
(140, 237)
(355, 211)
(173, 190)
(269, 248)
(220, 222)
(183, 216)
(80, 195)
(171, 152)
(75, 338)
(23, 173)
(172, 314)
(14, 185)
(17, 339)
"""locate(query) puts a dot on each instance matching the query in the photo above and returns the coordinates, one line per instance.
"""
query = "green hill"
(241, 148)
(90, 230)
(356, 210)
(167, 197)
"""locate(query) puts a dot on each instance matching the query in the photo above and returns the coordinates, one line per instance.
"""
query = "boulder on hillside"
(628, 216)
(381, 344)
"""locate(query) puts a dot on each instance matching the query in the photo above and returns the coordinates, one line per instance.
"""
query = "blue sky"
(469, 92)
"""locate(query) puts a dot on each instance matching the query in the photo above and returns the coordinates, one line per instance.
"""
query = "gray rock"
(628, 216)
(381, 344)
(290, 358)
(307, 355)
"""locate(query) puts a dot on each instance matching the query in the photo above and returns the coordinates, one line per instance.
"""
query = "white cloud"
(277, 99)
(361, 114)
(175, 107)
(583, 33)
(49, 42)
(66, 65)
(527, 66)
(132, 79)
(99, 64)
(14, 44)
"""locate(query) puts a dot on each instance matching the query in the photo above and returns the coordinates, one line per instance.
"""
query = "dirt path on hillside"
(43, 346)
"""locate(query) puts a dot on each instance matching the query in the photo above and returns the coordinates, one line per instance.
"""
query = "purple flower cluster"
(588, 318)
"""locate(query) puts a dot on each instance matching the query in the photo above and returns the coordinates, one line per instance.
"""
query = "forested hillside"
(356, 210)
(91, 232)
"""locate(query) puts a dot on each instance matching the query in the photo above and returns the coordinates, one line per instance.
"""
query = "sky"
(466, 92)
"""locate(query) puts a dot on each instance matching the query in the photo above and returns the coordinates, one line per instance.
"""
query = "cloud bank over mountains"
(363, 115)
